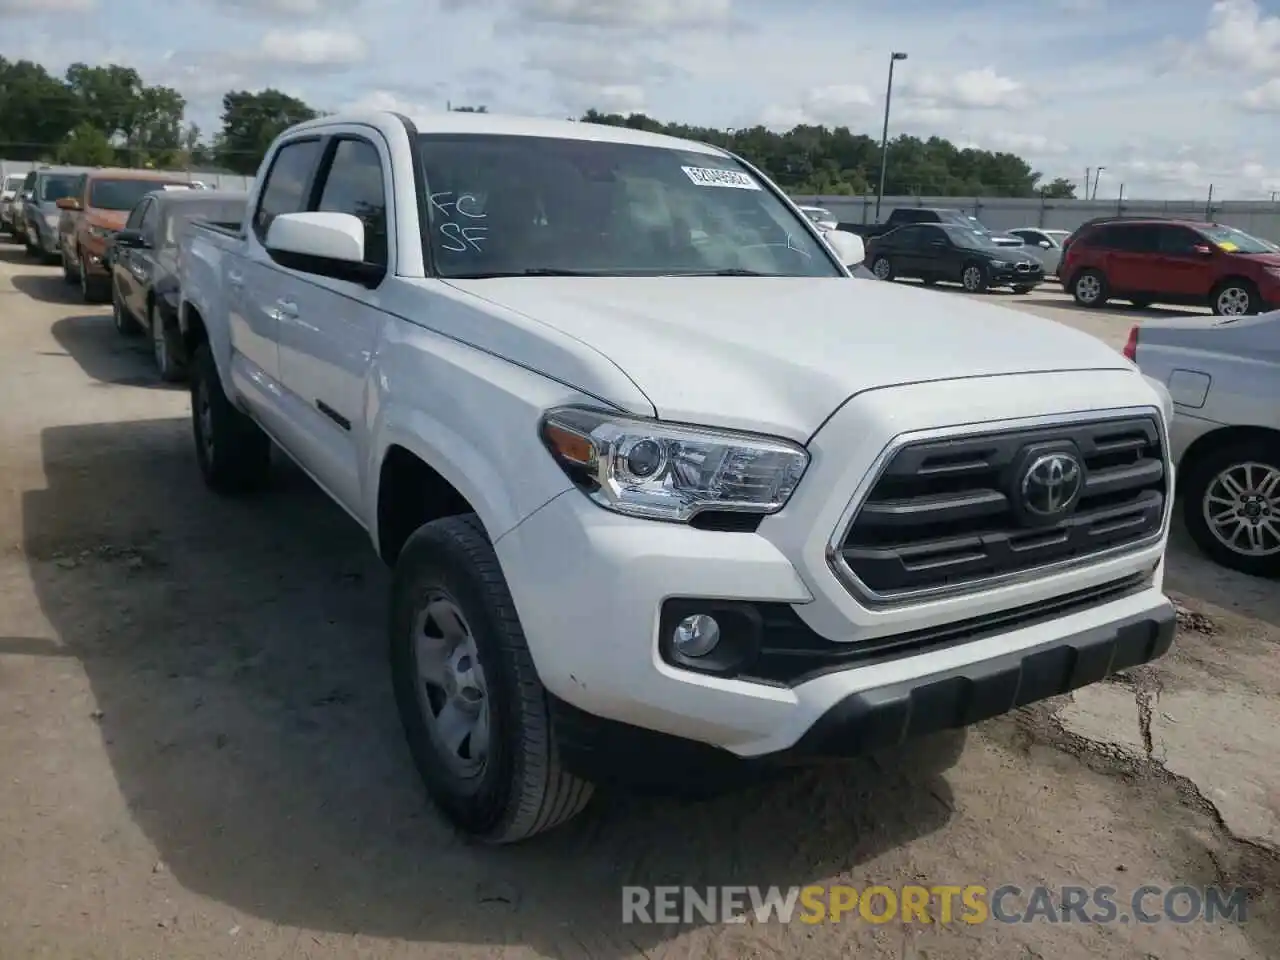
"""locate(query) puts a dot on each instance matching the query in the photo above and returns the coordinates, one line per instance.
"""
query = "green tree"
(250, 121)
(37, 110)
(86, 146)
(820, 160)
(1060, 188)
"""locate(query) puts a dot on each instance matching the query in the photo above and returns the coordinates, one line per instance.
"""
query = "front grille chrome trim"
(874, 600)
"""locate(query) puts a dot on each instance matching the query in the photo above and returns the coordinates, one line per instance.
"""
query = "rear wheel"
(163, 348)
(474, 711)
(974, 278)
(233, 453)
(1089, 288)
(1236, 298)
(882, 268)
(1231, 505)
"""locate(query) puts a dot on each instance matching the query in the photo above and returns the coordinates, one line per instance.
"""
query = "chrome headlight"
(999, 264)
(645, 468)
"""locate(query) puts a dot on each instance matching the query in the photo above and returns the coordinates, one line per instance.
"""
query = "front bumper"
(1008, 276)
(591, 587)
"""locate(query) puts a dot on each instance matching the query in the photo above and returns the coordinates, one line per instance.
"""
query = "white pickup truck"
(667, 495)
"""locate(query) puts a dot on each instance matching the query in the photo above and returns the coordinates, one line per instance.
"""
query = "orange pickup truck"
(95, 212)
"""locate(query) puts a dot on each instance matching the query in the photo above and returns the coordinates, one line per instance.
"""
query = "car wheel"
(32, 249)
(474, 711)
(974, 278)
(1024, 288)
(89, 288)
(882, 268)
(125, 324)
(1231, 505)
(163, 348)
(1236, 298)
(1089, 288)
(233, 453)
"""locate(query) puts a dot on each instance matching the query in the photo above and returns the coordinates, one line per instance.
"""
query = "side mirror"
(130, 240)
(67, 203)
(328, 244)
(28, 196)
(1203, 249)
(1045, 245)
(848, 247)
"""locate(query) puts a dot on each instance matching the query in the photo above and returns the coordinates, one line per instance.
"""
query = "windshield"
(124, 194)
(1236, 241)
(515, 205)
(970, 237)
(12, 182)
(57, 186)
(180, 214)
(1058, 235)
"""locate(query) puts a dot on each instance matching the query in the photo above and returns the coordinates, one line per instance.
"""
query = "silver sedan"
(1223, 375)
(1044, 245)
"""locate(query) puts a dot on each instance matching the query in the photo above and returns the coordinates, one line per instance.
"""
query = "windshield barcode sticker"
(711, 177)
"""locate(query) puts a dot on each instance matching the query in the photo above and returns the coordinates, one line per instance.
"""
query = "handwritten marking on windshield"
(457, 237)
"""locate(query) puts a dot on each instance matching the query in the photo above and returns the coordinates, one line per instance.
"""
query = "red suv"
(1184, 262)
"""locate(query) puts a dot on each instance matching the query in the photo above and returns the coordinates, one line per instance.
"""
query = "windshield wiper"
(531, 272)
(726, 272)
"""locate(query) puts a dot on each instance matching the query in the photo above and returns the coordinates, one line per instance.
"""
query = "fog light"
(696, 635)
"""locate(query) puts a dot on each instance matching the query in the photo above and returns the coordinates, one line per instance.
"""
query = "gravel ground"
(201, 757)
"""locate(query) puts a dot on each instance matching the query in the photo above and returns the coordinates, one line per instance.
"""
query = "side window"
(355, 185)
(1178, 240)
(927, 235)
(149, 218)
(284, 190)
(906, 236)
(136, 214)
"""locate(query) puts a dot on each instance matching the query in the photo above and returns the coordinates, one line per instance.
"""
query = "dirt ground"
(200, 756)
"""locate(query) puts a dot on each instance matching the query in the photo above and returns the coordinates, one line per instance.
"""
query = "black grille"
(945, 513)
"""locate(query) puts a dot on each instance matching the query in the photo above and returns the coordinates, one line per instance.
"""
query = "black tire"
(91, 288)
(1237, 291)
(967, 275)
(520, 789)
(233, 453)
(1083, 285)
(32, 249)
(125, 323)
(882, 267)
(166, 348)
(1195, 479)
(1024, 288)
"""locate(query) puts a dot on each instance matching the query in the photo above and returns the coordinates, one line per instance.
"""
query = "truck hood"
(106, 219)
(779, 355)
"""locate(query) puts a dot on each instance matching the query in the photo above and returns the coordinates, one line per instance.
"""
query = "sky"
(1168, 96)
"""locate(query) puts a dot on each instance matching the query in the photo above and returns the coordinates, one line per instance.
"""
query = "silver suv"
(41, 191)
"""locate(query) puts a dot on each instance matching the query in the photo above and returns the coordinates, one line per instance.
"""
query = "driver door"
(125, 270)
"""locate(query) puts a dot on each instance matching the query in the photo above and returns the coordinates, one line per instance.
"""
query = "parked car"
(933, 251)
(144, 280)
(42, 189)
(657, 509)
(1044, 245)
(904, 216)
(1185, 262)
(824, 218)
(91, 215)
(10, 187)
(1224, 379)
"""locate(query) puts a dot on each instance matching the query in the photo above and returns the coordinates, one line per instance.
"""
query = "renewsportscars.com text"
(941, 903)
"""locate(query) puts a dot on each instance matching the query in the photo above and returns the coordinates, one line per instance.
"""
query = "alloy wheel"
(1241, 507)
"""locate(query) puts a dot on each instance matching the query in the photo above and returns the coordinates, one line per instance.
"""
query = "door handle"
(235, 279)
(286, 309)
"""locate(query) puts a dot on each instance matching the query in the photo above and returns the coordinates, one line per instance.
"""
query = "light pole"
(884, 137)
(1096, 175)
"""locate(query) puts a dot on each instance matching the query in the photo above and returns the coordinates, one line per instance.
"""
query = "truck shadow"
(236, 653)
(106, 356)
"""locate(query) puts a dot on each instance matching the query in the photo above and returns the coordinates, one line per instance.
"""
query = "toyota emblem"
(1051, 484)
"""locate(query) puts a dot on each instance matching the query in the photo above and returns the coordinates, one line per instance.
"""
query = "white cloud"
(1029, 144)
(981, 89)
(20, 8)
(627, 13)
(1239, 35)
(1264, 98)
(311, 48)
(838, 105)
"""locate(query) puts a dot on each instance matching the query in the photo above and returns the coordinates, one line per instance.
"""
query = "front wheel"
(68, 272)
(124, 322)
(1236, 298)
(1231, 505)
(974, 278)
(1089, 288)
(474, 711)
(163, 348)
(233, 453)
(882, 268)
